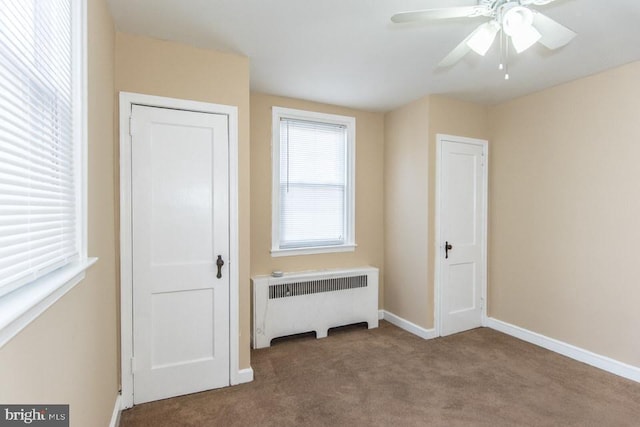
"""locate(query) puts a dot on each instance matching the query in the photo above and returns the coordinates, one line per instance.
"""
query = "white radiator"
(313, 301)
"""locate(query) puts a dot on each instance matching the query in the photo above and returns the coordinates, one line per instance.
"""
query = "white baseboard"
(117, 410)
(585, 356)
(380, 314)
(243, 376)
(401, 323)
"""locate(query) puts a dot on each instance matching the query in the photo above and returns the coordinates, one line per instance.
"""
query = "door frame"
(127, 100)
(439, 241)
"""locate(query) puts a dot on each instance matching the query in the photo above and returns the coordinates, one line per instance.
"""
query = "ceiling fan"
(514, 20)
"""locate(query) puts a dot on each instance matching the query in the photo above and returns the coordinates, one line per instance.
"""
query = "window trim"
(23, 305)
(279, 113)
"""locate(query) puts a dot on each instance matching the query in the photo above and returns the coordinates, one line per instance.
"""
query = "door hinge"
(133, 364)
(131, 126)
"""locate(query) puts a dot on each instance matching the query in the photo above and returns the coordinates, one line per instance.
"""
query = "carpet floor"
(388, 377)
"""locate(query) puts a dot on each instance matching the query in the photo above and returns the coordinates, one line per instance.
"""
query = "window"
(313, 182)
(41, 152)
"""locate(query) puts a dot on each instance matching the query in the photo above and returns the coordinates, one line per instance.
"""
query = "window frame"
(349, 245)
(23, 305)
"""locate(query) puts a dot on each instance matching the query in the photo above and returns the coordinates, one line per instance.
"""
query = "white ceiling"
(347, 52)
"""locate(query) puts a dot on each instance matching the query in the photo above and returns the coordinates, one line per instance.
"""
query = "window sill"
(25, 304)
(313, 250)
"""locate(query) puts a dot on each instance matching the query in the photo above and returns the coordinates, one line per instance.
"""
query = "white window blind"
(313, 184)
(38, 205)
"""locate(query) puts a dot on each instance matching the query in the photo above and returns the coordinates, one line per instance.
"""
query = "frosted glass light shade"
(524, 38)
(517, 23)
(483, 37)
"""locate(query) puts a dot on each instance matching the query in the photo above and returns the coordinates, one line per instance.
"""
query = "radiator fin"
(316, 286)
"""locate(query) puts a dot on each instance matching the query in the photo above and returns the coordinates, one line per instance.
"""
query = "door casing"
(127, 99)
(439, 239)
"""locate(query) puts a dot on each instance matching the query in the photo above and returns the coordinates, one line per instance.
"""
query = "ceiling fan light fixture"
(524, 38)
(483, 38)
(517, 23)
(516, 17)
(513, 21)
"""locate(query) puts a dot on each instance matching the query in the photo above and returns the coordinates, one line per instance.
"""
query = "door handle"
(447, 248)
(219, 263)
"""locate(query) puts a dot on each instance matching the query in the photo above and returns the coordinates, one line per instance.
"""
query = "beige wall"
(161, 68)
(69, 354)
(564, 209)
(410, 158)
(369, 191)
(406, 251)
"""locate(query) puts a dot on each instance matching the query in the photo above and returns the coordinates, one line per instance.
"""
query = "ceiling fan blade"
(459, 51)
(444, 13)
(554, 35)
(455, 55)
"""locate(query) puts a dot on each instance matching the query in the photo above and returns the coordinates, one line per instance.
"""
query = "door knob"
(219, 263)
(447, 248)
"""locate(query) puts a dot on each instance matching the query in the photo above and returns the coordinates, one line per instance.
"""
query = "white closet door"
(180, 205)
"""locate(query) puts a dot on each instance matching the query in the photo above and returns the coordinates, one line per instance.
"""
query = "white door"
(180, 226)
(462, 233)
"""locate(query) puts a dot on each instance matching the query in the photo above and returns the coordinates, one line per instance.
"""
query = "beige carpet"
(388, 377)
